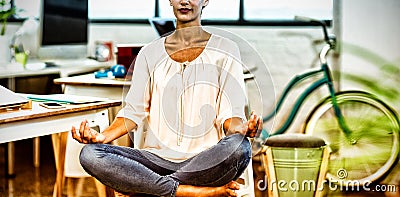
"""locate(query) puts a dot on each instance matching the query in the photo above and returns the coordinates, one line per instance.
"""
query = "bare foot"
(118, 194)
(200, 191)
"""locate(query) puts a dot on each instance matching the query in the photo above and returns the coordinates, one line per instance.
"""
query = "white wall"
(370, 32)
(371, 39)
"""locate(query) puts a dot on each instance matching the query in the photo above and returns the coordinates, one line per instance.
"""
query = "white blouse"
(185, 104)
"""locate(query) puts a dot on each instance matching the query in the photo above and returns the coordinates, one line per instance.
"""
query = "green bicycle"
(361, 130)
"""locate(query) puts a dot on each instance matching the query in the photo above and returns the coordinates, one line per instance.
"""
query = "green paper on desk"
(66, 98)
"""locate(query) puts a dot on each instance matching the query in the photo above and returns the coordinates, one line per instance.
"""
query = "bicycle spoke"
(371, 147)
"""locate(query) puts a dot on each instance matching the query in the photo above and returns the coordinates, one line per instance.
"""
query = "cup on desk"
(21, 58)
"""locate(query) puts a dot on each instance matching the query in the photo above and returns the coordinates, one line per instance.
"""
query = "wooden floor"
(38, 182)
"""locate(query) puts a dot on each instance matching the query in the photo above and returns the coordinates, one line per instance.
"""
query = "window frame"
(241, 21)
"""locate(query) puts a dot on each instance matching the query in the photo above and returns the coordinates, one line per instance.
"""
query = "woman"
(188, 87)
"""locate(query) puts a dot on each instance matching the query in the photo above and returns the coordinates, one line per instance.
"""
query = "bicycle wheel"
(373, 145)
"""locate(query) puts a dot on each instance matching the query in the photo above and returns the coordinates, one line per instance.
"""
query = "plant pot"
(5, 53)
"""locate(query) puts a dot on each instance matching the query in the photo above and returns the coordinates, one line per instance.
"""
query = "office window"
(216, 9)
(287, 9)
(121, 9)
(98, 9)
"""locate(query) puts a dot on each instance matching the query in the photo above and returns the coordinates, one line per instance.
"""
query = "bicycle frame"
(325, 125)
(326, 79)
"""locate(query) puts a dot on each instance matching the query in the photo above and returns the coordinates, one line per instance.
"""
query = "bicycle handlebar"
(322, 55)
(329, 39)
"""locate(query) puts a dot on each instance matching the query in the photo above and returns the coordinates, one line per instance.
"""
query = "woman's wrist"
(119, 127)
(233, 126)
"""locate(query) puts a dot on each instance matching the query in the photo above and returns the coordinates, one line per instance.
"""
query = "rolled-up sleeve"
(136, 102)
(232, 98)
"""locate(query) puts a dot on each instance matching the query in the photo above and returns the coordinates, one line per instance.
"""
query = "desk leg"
(11, 145)
(10, 159)
(11, 156)
(36, 152)
(62, 144)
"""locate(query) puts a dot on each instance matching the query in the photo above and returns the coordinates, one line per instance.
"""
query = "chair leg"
(250, 180)
(70, 187)
(58, 186)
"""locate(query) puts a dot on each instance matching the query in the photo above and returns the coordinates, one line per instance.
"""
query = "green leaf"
(4, 15)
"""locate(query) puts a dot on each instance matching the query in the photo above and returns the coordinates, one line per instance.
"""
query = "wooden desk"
(64, 68)
(39, 121)
(88, 85)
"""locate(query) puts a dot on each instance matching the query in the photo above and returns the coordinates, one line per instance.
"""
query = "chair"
(72, 168)
(293, 159)
(247, 188)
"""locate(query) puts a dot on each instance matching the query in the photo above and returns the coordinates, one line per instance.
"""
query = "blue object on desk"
(118, 71)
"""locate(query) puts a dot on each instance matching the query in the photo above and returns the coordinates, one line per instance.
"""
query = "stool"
(295, 165)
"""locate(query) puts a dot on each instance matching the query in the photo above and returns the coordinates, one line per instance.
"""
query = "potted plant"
(6, 10)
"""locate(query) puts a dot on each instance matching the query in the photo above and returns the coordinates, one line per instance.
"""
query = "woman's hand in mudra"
(253, 125)
(86, 134)
(248, 129)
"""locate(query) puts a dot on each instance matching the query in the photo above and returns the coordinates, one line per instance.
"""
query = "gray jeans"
(130, 170)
